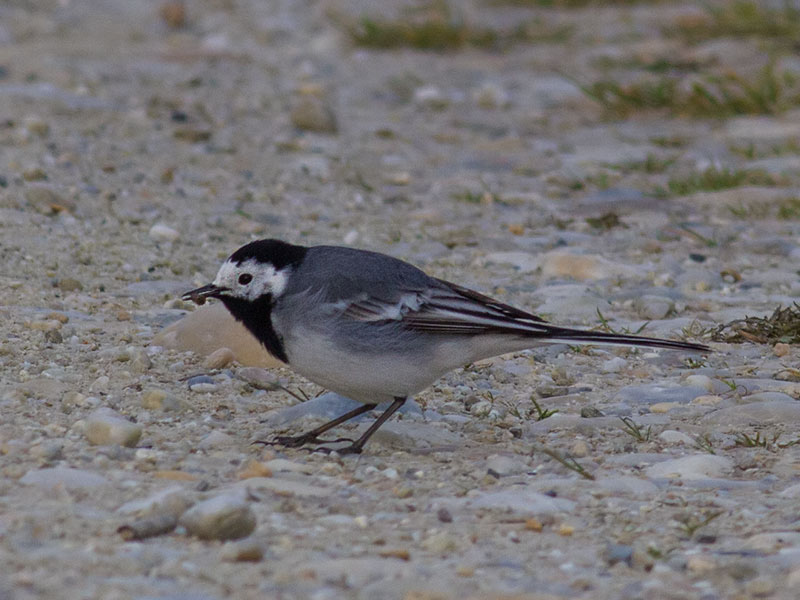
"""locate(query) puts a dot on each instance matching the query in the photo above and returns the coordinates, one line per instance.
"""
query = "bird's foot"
(351, 449)
(296, 441)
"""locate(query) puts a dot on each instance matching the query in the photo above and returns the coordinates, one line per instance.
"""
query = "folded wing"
(448, 308)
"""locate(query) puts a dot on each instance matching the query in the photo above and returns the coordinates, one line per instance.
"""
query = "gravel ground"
(141, 144)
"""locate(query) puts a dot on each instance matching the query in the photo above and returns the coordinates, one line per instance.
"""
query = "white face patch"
(263, 279)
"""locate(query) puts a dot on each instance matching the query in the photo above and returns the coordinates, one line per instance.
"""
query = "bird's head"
(256, 272)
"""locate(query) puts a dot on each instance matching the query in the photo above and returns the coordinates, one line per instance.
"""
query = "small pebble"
(616, 553)
(202, 383)
(781, 349)
(696, 466)
(255, 469)
(362, 521)
(701, 381)
(700, 564)
(219, 359)
(614, 365)
(311, 113)
(46, 200)
(579, 449)
(670, 436)
(153, 399)
(173, 14)
(259, 378)
(64, 477)
(707, 400)
(69, 284)
(242, 551)
(163, 233)
(53, 336)
(104, 427)
(440, 543)
(444, 515)
(533, 524)
(45, 325)
(225, 517)
(148, 527)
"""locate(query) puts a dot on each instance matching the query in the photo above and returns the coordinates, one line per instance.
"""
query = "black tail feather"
(567, 335)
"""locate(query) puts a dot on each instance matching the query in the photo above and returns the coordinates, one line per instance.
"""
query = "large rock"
(210, 328)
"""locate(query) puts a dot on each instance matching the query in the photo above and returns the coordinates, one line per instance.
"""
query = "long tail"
(571, 336)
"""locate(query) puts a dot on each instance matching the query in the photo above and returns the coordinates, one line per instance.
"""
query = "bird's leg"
(358, 445)
(295, 441)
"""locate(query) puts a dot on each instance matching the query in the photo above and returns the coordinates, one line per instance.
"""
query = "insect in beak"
(199, 295)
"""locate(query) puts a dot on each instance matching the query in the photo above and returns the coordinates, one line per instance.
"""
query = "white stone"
(225, 517)
(104, 427)
(173, 500)
(163, 233)
(522, 501)
(670, 436)
(757, 413)
(696, 466)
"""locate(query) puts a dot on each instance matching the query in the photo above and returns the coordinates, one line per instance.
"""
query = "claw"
(351, 449)
(296, 441)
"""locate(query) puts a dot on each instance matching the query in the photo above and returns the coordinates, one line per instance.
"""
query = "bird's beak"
(199, 295)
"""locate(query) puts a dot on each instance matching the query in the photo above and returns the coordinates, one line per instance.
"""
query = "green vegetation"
(755, 151)
(609, 220)
(714, 179)
(744, 18)
(787, 209)
(542, 413)
(761, 441)
(570, 3)
(567, 461)
(767, 92)
(662, 64)
(633, 429)
(652, 164)
(606, 326)
(436, 28)
(690, 524)
(704, 443)
(783, 325)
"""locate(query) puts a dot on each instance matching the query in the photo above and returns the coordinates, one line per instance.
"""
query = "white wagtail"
(372, 327)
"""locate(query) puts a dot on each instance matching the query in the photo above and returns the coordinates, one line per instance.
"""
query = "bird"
(372, 327)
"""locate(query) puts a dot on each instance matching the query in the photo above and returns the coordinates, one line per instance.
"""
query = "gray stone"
(505, 465)
(173, 500)
(653, 393)
(202, 384)
(522, 501)
(225, 517)
(627, 485)
(756, 413)
(313, 113)
(330, 406)
(670, 436)
(653, 307)
(284, 486)
(70, 479)
(259, 378)
(769, 397)
(697, 466)
(772, 541)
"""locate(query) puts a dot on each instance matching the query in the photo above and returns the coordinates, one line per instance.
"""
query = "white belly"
(375, 377)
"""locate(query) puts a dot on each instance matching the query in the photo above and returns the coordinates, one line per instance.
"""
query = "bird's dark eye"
(245, 278)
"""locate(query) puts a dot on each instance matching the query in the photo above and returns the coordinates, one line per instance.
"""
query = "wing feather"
(448, 308)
